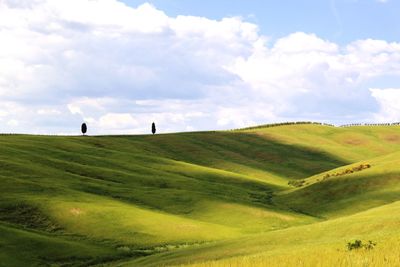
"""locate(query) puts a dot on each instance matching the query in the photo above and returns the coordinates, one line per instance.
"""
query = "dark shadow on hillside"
(235, 151)
(152, 182)
(179, 191)
(137, 169)
(344, 196)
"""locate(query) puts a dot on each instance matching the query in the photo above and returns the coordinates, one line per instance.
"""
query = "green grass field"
(202, 199)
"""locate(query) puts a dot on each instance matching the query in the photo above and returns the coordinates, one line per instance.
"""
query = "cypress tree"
(84, 128)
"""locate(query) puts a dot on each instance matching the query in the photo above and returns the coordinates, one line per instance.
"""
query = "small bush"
(347, 171)
(370, 245)
(296, 183)
(358, 244)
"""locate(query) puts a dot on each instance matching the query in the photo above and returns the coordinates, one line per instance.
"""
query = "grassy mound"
(193, 197)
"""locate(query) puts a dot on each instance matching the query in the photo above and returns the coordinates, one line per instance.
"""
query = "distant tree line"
(316, 123)
(371, 124)
(283, 124)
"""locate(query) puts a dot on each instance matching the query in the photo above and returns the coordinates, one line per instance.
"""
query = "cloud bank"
(120, 68)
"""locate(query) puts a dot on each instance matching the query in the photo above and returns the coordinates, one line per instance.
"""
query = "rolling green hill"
(199, 197)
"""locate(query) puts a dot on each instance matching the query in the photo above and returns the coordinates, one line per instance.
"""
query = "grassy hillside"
(193, 197)
(318, 244)
(341, 195)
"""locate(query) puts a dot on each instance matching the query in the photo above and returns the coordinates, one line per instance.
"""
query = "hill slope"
(86, 200)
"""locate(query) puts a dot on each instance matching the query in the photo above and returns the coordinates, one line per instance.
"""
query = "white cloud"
(117, 121)
(301, 42)
(120, 68)
(48, 111)
(12, 123)
(388, 100)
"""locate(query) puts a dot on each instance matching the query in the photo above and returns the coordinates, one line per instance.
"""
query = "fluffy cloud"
(120, 68)
(388, 100)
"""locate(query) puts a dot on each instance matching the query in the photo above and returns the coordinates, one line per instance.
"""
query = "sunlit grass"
(385, 255)
(211, 198)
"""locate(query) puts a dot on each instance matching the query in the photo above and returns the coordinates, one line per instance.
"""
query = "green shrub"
(358, 244)
(296, 183)
(347, 171)
(370, 245)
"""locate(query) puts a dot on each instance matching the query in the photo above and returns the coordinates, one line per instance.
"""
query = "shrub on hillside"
(348, 171)
(296, 183)
(358, 244)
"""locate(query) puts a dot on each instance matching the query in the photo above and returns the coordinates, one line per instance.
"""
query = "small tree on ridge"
(153, 128)
(84, 128)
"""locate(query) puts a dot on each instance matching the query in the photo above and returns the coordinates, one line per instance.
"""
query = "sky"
(191, 65)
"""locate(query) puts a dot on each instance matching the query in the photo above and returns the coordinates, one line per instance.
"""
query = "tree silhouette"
(153, 128)
(84, 128)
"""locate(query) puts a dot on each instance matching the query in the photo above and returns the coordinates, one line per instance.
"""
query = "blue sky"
(195, 65)
(341, 21)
